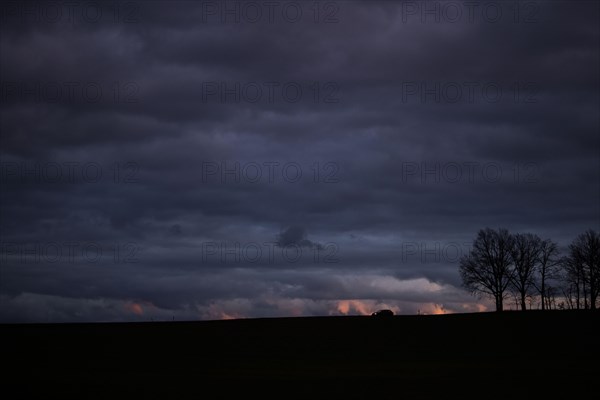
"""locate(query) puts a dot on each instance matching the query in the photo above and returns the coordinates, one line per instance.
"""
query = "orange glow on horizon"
(477, 307)
(229, 316)
(347, 306)
(134, 308)
(438, 309)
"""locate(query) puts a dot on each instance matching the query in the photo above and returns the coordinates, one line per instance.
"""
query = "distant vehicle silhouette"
(383, 313)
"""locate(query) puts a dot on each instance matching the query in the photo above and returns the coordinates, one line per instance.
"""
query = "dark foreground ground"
(511, 355)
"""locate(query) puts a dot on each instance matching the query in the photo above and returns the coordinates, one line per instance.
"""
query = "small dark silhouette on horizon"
(501, 264)
(383, 313)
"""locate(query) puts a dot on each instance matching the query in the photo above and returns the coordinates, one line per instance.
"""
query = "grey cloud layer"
(387, 172)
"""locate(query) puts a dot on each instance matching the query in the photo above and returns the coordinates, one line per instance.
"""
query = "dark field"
(486, 355)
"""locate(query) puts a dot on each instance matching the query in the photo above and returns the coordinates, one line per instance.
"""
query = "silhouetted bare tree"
(548, 261)
(584, 254)
(487, 268)
(573, 282)
(524, 253)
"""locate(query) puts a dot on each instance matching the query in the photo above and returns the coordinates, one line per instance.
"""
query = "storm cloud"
(221, 159)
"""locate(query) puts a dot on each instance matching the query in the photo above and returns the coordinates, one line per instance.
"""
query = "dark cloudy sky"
(205, 160)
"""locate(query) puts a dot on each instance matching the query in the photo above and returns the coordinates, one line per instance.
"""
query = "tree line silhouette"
(501, 264)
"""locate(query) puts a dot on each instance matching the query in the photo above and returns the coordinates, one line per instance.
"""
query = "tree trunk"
(523, 304)
(499, 303)
(543, 293)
